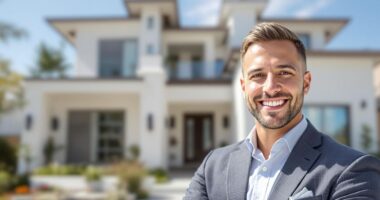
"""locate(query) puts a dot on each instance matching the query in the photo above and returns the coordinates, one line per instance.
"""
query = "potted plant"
(93, 177)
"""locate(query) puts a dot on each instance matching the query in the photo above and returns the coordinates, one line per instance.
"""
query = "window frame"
(323, 107)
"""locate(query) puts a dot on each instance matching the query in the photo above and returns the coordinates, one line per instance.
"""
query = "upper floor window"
(219, 64)
(305, 39)
(117, 58)
(150, 23)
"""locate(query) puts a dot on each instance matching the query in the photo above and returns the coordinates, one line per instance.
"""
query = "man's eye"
(258, 75)
(284, 73)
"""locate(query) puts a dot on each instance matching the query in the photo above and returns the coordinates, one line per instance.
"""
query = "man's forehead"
(272, 53)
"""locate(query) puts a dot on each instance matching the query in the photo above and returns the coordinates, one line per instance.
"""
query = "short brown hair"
(268, 31)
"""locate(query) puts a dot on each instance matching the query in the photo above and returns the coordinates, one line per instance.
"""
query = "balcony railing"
(194, 70)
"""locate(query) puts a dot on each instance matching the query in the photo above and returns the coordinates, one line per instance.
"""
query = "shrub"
(93, 174)
(60, 170)
(5, 181)
(131, 174)
(20, 180)
(8, 157)
(134, 151)
(160, 175)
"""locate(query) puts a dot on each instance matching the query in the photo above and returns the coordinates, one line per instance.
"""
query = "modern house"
(174, 91)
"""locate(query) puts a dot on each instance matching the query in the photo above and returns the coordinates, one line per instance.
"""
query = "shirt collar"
(290, 138)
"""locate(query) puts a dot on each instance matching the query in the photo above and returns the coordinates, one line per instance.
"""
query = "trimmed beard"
(291, 112)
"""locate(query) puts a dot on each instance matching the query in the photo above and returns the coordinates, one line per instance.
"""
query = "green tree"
(10, 82)
(8, 31)
(50, 63)
(366, 138)
(11, 90)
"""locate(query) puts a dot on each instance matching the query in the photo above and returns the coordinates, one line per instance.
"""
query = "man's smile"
(273, 104)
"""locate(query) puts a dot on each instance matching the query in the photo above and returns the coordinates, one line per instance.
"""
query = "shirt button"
(265, 169)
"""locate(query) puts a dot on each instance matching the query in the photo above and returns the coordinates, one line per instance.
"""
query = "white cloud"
(312, 8)
(204, 13)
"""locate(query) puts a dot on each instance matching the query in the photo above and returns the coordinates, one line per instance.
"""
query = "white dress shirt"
(263, 173)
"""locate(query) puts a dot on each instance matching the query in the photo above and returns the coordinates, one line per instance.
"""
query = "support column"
(34, 138)
(209, 69)
(153, 113)
(243, 120)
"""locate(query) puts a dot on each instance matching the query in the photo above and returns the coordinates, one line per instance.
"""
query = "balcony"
(195, 70)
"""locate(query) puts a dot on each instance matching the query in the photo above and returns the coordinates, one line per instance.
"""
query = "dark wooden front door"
(198, 138)
(79, 137)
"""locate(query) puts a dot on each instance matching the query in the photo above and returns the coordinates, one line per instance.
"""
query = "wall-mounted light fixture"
(172, 122)
(363, 104)
(28, 122)
(54, 124)
(150, 122)
(226, 121)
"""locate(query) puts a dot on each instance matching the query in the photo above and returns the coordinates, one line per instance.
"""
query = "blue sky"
(362, 33)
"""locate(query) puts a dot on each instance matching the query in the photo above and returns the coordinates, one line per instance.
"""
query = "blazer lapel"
(299, 162)
(238, 172)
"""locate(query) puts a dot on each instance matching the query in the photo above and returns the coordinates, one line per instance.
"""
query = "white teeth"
(273, 103)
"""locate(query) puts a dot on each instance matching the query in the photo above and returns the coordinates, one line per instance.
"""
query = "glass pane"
(336, 123)
(219, 64)
(190, 138)
(305, 39)
(315, 115)
(207, 143)
(110, 58)
(129, 58)
(110, 135)
(197, 67)
(331, 120)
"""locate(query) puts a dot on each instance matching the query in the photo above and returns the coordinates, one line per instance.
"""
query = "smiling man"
(284, 156)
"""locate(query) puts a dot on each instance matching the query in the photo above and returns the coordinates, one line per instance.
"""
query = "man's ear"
(306, 82)
(242, 83)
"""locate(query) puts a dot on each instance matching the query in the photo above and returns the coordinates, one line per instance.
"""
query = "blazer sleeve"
(360, 180)
(197, 189)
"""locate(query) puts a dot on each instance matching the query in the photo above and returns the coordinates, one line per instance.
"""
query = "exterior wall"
(87, 43)
(199, 94)
(346, 81)
(239, 24)
(221, 134)
(316, 32)
(11, 123)
(376, 79)
(61, 104)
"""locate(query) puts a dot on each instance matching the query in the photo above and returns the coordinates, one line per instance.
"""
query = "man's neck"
(267, 137)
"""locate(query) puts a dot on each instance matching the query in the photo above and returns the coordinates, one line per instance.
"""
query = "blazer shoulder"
(220, 156)
(339, 151)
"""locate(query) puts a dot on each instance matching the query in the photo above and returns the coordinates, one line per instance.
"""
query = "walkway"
(175, 188)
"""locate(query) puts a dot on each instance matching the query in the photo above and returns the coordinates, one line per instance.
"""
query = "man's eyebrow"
(259, 69)
(287, 66)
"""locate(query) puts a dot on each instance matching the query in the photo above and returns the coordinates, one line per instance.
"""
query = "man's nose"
(271, 85)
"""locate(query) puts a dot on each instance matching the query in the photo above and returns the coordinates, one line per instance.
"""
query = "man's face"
(274, 82)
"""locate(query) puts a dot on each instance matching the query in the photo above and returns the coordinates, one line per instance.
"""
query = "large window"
(331, 120)
(110, 136)
(118, 58)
